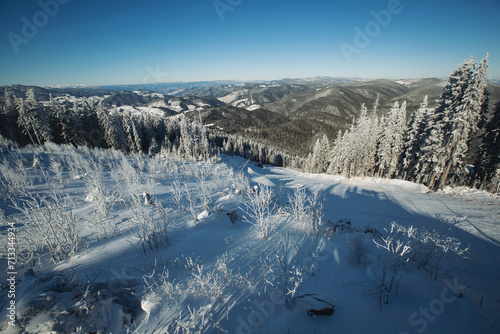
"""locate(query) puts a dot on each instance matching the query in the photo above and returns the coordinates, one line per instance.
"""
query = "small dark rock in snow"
(325, 311)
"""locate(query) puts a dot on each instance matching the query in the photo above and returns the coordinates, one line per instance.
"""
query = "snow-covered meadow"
(109, 243)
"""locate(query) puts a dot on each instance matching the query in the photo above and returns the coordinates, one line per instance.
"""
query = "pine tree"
(324, 154)
(413, 137)
(9, 114)
(369, 163)
(391, 141)
(445, 147)
(112, 126)
(314, 162)
(465, 117)
(32, 119)
(489, 160)
(154, 149)
(334, 159)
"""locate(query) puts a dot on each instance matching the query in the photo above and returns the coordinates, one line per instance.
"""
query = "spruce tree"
(464, 118)
(413, 138)
(489, 160)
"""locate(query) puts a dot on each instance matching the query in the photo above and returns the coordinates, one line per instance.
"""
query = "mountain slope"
(216, 273)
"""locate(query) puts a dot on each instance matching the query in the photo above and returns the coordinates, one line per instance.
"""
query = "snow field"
(175, 246)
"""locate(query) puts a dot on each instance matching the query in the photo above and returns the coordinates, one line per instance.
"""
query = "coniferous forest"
(455, 143)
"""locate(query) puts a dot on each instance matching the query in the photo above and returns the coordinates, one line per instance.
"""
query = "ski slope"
(217, 275)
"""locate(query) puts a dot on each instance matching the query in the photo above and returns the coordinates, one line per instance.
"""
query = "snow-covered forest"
(456, 143)
(126, 222)
(28, 121)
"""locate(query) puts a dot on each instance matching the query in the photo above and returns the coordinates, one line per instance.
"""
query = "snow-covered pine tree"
(334, 159)
(464, 118)
(489, 160)
(204, 145)
(347, 152)
(147, 126)
(359, 134)
(413, 137)
(33, 119)
(154, 148)
(112, 126)
(391, 140)
(9, 114)
(369, 161)
(313, 165)
(324, 154)
(446, 140)
(186, 143)
(67, 125)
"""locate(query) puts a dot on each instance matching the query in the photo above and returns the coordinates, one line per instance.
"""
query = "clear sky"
(130, 42)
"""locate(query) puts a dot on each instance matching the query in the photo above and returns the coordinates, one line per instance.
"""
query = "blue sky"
(129, 42)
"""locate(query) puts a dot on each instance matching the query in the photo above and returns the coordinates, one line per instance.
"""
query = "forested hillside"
(450, 139)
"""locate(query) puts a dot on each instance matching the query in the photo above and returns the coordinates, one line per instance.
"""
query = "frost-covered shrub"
(403, 244)
(191, 201)
(152, 224)
(282, 271)
(204, 189)
(14, 175)
(177, 191)
(431, 247)
(306, 210)
(51, 224)
(240, 183)
(397, 246)
(259, 206)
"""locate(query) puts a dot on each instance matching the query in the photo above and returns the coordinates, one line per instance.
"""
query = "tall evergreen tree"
(489, 160)
(33, 119)
(456, 118)
(391, 141)
(465, 117)
(413, 137)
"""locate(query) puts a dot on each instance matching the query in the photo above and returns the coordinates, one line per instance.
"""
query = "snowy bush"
(259, 209)
(191, 201)
(282, 271)
(177, 191)
(52, 224)
(431, 247)
(196, 321)
(403, 244)
(57, 169)
(159, 279)
(15, 177)
(203, 187)
(240, 183)
(152, 224)
(306, 210)
(208, 283)
(397, 246)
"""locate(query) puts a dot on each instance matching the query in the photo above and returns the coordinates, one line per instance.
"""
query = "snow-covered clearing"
(177, 247)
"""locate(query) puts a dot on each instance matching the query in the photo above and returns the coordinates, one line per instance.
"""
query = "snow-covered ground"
(217, 274)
